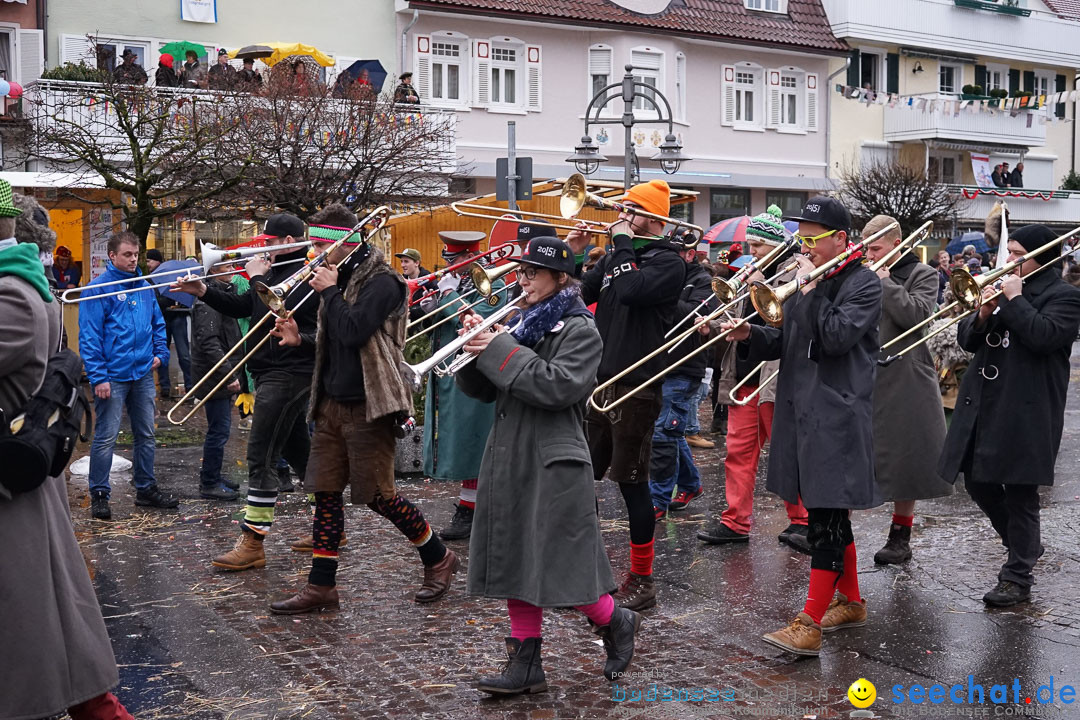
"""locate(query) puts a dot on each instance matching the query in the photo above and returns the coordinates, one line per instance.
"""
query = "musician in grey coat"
(909, 420)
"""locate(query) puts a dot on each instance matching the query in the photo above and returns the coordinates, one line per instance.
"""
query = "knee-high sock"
(642, 525)
(525, 619)
(820, 593)
(849, 581)
(600, 611)
(259, 513)
(326, 529)
(467, 498)
(407, 518)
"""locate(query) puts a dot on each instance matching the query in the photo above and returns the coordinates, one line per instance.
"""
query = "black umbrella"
(253, 52)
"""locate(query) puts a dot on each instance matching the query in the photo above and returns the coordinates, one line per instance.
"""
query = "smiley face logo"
(862, 693)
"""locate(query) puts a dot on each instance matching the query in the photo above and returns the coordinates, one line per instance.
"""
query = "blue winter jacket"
(120, 336)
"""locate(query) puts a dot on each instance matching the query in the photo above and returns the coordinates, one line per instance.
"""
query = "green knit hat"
(768, 227)
(7, 201)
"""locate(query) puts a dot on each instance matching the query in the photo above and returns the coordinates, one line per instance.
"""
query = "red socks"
(820, 594)
(903, 520)
(641, 557)
(849, 581)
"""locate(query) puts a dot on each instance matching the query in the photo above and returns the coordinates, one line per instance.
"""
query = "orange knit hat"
(653, 196)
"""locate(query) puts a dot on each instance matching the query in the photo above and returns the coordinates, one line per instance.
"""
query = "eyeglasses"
(529, 273)
(811, 242)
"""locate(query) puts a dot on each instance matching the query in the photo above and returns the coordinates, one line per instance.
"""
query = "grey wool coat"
(536, 536)
(1011, 425)
(909, 420)
(822, 437)
(56, 652)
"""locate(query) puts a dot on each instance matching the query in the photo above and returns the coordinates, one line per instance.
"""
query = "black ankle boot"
(523, 672)
(897, 548)
(618, 637)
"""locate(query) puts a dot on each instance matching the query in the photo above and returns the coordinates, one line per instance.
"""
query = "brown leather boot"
(802, 636)
(437, 578)
(843, 613)
(307, 544)
(247, 553)
(310, 598)
(637, 592)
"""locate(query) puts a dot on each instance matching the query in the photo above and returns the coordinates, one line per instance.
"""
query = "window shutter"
(481, 55)
(31, 55)
(422, 66)
(535, 77)
(1029, 81)
(772, 98)
(646, 60)
(853, 70)
(1060, 86)
(600, 62)
(727, 91)
(892, 73)
(1014, 80)
(76, 49)
(981, 78)
(680, 87)
(811, 102)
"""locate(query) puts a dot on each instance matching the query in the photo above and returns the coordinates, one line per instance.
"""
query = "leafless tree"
(899, 191)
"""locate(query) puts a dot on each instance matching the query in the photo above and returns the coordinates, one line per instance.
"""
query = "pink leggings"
(525, 619)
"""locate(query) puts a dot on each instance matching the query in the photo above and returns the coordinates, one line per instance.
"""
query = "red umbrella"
(732, 230)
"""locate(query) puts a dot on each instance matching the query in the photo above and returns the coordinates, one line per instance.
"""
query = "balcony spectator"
(1006, 176)
(999, 181)
(166, 75)
(194, 74)
(248, 79)
(222, 76)
(129, 72)
(67, 275)
(1016, 179)
(405, 93)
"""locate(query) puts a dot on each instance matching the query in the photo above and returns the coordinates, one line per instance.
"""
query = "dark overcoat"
(822, 437)
(1011, 425)
(535, 535)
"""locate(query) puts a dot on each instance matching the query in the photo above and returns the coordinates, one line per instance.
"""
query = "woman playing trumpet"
(536, 539)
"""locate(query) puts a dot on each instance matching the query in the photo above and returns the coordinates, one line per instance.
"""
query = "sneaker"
(99, 506)
(659, 513)
(699, 442)
(637, 592)
(802, 637)
(217, 492)
(796, 537)
(1007, 593)
(720, 533)
(683, 499)
(245, 423)
(460, 525)
(153, 497)
(843, 614)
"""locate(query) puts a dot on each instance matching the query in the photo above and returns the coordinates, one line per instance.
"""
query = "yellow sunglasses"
(811, 242)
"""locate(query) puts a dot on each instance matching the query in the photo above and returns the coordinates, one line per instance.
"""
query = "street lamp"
(587, 157)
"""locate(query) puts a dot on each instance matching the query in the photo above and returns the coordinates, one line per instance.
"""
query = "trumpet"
(575, 196)
(379, 216)
(452, 348)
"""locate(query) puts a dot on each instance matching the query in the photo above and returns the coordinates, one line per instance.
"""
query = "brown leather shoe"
(699, 442)
(310, 598)
(437, 578)
(843, 614)
(802, 636)
(307, 544)
(246, 554)
(637, 592)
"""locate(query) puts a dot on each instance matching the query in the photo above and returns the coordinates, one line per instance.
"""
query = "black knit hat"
(1034, 236)
(155, 254)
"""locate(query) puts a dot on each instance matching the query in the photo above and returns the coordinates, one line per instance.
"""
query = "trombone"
(379, 216)
(761, 385)
(575, 196)
(487, 212)
(968, 291)
(491, 300)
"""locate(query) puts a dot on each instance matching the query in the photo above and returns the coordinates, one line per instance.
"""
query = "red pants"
(749, 428)
(103, 707)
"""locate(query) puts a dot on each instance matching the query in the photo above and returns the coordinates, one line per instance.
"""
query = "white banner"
(980, 166)
(202, 11)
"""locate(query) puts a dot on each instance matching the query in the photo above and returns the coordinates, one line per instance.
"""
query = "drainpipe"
(42, 19)
(404, 40)
(828, 117)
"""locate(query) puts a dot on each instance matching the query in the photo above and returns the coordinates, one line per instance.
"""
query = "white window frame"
(792, 87)
(149, 47)
(1003, 72)
(733, 102)
(642, 74)
(881, 81)
(500, 66)
(680, 87)
(12, 31)
(460, 61)
(773, 6)
(1047, 77)
(595, 61)
(958, 78)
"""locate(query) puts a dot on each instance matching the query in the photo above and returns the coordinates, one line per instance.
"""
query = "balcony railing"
(903, 123)
(1026, 205)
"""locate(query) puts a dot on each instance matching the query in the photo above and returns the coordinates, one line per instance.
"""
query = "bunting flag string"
(971, 194)
(1040, 106)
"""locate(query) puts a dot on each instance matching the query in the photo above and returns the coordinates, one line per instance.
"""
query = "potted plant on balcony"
(972, 92)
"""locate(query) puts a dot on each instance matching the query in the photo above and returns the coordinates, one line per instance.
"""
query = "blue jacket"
(120, 336)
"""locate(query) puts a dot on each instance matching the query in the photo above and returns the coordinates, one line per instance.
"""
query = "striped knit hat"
(768, 227)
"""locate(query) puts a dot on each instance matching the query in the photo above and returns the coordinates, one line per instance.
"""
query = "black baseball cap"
(551, 253)
(282, 225)
(826, 211)
(528, 232)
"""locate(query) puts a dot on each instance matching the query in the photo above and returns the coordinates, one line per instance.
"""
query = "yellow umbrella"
(284, 50)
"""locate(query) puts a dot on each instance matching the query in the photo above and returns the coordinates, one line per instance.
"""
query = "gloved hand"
(246, 403)
(449, 282)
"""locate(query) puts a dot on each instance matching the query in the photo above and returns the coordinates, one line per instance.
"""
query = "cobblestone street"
(193, 642)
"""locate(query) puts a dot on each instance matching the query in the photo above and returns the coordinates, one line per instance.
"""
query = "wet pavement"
(194, 642)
